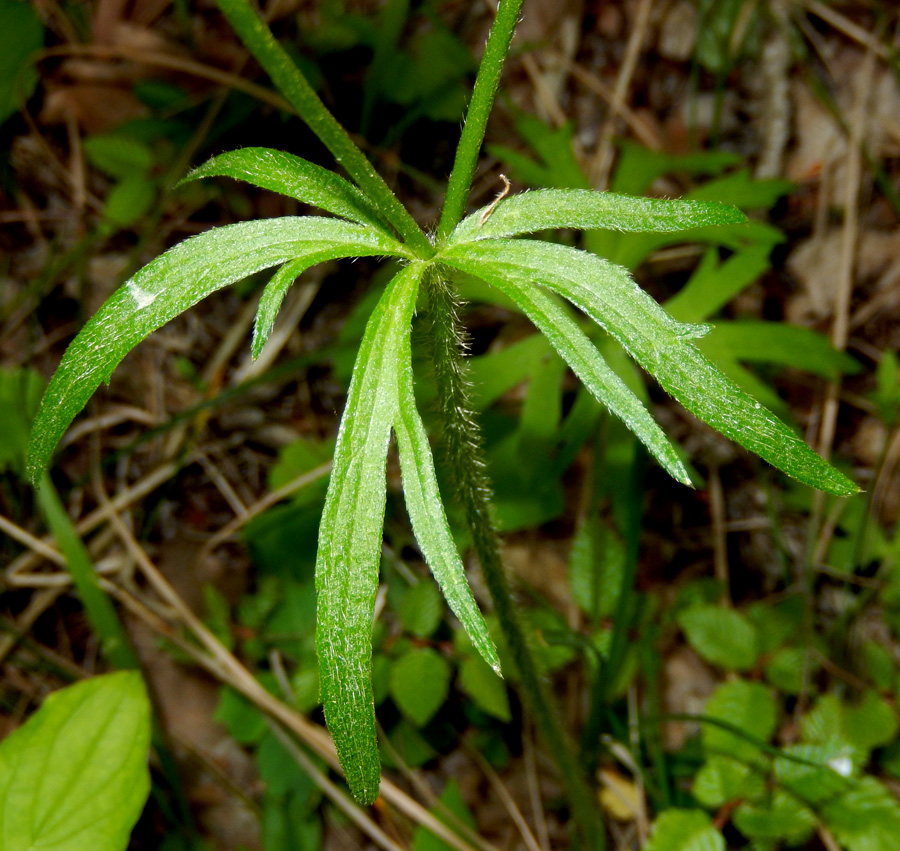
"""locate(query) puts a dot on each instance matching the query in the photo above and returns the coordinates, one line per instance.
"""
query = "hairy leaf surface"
(589, 365)
(542, 209)
(170, 285)
(660, 344)
(429, 522)
(350, 535)
(297, 178)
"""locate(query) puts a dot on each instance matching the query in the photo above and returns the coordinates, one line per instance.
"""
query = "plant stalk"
(480, 105)
(258, 39)
(463, 446)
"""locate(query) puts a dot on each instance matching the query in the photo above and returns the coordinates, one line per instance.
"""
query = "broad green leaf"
(543, 209)
(419, 684)
(426, 512)
(684, 830)
(722, 779)
(350, 535)
(721, 636)
(75, 775)
(783, 819)
(487, 690)
(21, 36)
(421, 609)
(657, 342)
(589, 365)
(823, 773)
(171, 284)
(866, 818)
(746, 705)
(870, 724)
(119, 156)
(296, 178)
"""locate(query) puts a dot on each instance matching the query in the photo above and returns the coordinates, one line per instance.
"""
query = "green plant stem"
(463, 446)
(258, 39)
(480, 105)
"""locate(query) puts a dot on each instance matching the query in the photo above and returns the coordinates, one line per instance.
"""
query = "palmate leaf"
(350, 535)
(170, 285)
(660, 344)
(429, 522)
(542, 209)
(297, 178)
(589, 365)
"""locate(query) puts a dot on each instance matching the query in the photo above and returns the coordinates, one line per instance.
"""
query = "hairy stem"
(463, 445)
(477, 117)
(258, 39)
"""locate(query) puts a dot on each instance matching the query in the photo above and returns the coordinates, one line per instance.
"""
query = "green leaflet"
(542, 209)
(589, 365)
(426, 511)
(684, 830)
(75, 775)
(170, 285)
(275, 291)
(297, 178)
(350, 535)
(657, 342)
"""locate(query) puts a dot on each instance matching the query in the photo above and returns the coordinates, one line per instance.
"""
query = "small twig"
(602, 163)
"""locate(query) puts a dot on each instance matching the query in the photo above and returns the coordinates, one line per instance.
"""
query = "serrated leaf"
(296, 178)
(657, 342)
(426, 512)
(783, 819)
(169, 285)
(350, 535)
(721, 636)
(419, 684)
(589, 365)
(866, 818)
(684, 830)
(812, 774)
(749, 707)
(484, 687)
(722, 779)
(75, 775)
(543, 209)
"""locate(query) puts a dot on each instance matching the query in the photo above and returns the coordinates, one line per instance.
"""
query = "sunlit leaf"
(169, 285)
(684, 830)
(657, 342)
(75, 775)
(429, 522)
(542, 209)
(589, 365)
(296, 178)
(350, 536)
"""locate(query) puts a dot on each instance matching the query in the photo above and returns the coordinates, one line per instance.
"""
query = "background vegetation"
(727, 656)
